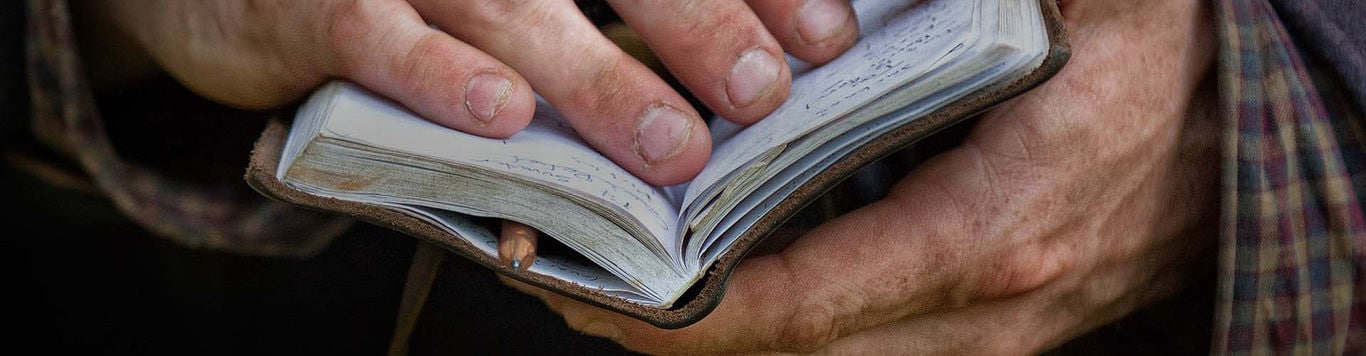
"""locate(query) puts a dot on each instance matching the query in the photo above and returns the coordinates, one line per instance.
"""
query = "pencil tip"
(517, 264)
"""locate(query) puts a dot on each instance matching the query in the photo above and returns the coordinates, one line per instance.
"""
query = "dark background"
(89, 280)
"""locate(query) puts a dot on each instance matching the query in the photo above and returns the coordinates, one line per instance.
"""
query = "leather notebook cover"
(707, 293)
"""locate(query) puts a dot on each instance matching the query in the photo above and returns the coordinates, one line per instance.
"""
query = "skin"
(472, 65)
(1063, 210)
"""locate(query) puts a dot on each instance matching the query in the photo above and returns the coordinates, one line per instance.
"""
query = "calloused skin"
(472, 65)
(1064, 209)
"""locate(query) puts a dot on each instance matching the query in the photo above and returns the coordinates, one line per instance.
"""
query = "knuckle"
(349, 29)
(345, 22)
(707, 27)
(503, 15)
(496, 8)
(365, 36)
(692, 27)
(417, 67)
(809, 327)
(608, 88)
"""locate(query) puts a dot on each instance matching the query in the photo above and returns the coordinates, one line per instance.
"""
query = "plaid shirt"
(1292, 231)
(1292, 234)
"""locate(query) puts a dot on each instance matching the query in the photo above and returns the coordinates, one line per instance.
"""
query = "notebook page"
(547, 151)
(1024, 32)
(890, 55)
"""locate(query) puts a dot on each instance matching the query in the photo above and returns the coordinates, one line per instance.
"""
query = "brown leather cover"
(707, 293)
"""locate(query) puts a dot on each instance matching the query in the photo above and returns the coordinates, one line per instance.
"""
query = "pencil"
(517, 245)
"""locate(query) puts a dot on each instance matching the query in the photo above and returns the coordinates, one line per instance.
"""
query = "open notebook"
(662, 253)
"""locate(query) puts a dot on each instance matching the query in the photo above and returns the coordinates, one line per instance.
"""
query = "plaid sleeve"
(1292, 231)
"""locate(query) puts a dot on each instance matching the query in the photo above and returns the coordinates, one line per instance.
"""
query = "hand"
(1064, 209)
(477, 73)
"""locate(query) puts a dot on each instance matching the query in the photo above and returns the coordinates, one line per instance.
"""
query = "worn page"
(910, 41)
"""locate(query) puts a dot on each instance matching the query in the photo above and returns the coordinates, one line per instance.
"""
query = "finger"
(386, 47)
(619, 106)
(816, 31)
(718, 49)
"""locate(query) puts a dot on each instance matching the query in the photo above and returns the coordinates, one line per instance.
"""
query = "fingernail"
(819, 20)
(752, 77)
(526, 262)
(661, 132)
(486, 94)
(603, 329)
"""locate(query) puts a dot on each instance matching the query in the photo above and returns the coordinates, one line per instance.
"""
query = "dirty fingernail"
(486, 94)
(752, 77)
(819, 20)
(661, 133)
